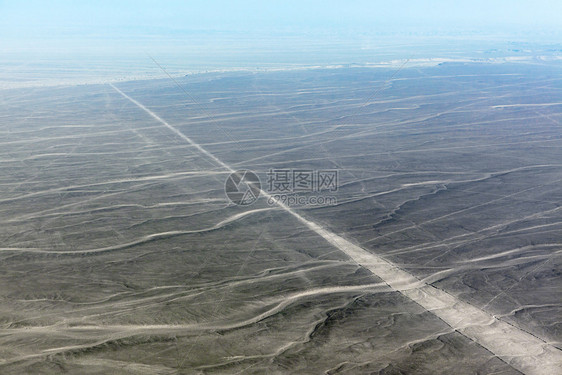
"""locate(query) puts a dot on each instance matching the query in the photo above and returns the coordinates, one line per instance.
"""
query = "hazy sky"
(20, 18)
(257, 33)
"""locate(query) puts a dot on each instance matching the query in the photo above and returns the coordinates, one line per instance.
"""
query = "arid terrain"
(441, 254)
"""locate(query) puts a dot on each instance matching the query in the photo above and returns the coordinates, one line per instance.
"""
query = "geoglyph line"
(519, 348)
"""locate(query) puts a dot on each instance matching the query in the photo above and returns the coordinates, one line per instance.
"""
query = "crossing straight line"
(519, 348)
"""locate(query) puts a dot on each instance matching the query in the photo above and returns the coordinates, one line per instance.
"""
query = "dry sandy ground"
(121, 254)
